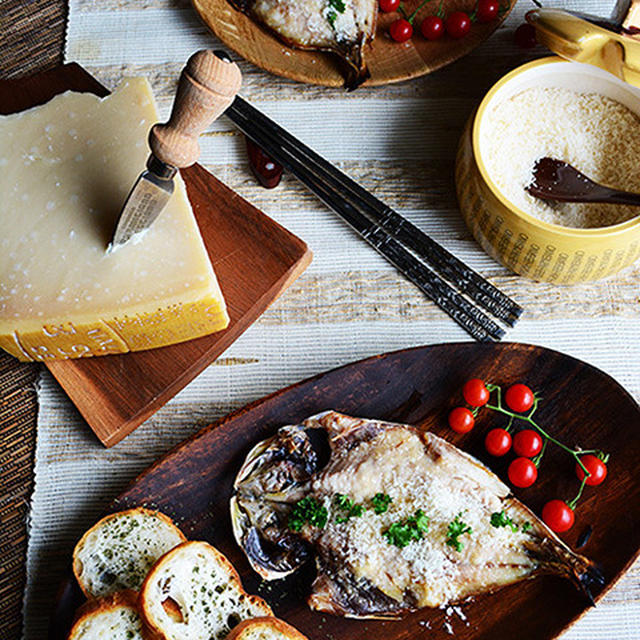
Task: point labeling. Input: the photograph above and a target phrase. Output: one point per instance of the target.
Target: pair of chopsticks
(457, 289)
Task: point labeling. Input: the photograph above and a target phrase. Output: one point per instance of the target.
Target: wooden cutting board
(254, 258)
(581, 406)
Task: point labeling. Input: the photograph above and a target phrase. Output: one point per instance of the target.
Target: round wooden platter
(388, 61)
(419, 386)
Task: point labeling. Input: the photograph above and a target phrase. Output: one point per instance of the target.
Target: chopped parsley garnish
(501, 519)
(457, 527)
(380, 503)
(308, 510)
(347, 507)
(401, 533)
(332, 16)
(338, 5)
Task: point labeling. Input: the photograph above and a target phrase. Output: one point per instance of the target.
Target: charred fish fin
(591, 580)
(283, 557)
(555, 557)
(356, 71)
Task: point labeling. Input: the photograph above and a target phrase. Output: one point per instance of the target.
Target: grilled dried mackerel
(340, 26)
(366, 569)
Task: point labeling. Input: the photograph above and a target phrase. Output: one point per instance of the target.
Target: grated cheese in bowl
(597, 135)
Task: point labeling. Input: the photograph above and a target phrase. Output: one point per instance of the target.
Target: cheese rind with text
(66, 168)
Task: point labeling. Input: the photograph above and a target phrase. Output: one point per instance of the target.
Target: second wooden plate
(420, 386)
(388, 61)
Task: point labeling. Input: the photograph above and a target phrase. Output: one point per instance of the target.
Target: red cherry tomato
(487, 10)
(401, 30)
(522, 473)
(519, 398)
(458, 24)
(527, 443)
(475, 393)
(525, 36)
(558, 516)
(389, 6)
(497, 442)
(595, 467)
(461, 420)
(432, 27)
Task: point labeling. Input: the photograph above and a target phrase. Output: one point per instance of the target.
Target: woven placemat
(31, 40)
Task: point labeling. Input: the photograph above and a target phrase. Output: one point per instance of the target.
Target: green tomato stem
(574, 502)
(411, 18)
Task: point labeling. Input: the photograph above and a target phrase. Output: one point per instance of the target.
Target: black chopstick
(389, 233)
(463, 277)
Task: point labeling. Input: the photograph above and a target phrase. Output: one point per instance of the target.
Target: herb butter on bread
(266, 628)
(194, 593)
(114, 617)
(118, 551)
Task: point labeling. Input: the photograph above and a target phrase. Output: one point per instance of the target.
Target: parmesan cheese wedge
(65, 170)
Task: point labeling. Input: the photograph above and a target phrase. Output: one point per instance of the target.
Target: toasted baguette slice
(194, 593)
(114, 617)
(265, 629)
(118, 551)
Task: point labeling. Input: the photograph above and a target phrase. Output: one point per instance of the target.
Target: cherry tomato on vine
(522, 473)
(527, 443)
(458, 24)
(432, 27)
(596, 467)
(475, 392)
(519, 398)
(461, 420)
(525, 36)
(389, 6)
(401, 30)
(497, 442)
(487, 10)
(558, 516)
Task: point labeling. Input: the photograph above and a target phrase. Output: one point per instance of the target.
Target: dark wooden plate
(581, 405)
(254, 257)
(388, 61)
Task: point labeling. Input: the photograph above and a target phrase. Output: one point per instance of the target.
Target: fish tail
(555, 557)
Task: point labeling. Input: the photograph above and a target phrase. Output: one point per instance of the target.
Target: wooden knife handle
(208, 84)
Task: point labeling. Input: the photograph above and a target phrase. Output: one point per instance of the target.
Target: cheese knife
(208, 85)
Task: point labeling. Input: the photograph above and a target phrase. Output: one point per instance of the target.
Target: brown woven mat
(31, 40)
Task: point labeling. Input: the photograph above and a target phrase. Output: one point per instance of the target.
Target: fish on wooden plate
(397, 519)
(343, 27)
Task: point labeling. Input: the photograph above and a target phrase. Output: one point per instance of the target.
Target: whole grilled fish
(343, 27)
(397, 519)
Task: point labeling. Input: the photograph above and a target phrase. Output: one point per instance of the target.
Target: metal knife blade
(145, 201)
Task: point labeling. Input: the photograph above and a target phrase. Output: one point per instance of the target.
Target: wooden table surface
(399, 141)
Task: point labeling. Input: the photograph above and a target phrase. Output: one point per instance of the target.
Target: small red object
(461, 420)
(519, 398)
(267, 171)
(475, 392)
(522, 473)
(432, 27)
(596, 467)
(458, 24)
(400, 30)
(487, 10)
(525, 36)
(527, 443)
(558, 516)
(497, 442)
(389, 6)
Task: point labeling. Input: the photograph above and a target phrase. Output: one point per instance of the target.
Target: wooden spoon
(559, 181)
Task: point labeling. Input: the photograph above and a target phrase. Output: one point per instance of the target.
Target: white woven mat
(398, 141)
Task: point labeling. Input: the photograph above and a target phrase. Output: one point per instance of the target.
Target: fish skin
(304, 25)
(361, 575)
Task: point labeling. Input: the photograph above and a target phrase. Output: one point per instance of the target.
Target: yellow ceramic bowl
(526, 245)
